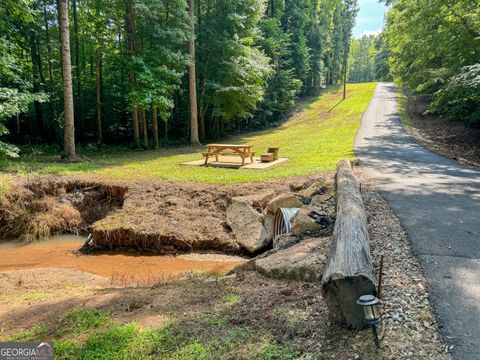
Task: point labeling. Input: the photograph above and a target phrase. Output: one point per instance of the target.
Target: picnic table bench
(244, 151)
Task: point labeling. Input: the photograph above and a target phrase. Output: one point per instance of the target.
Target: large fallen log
(348, 273)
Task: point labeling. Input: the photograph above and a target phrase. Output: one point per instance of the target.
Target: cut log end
(341, 295)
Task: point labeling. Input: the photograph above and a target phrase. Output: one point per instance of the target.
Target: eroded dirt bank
(159, 217)
(42, 207)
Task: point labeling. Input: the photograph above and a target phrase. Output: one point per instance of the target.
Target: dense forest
(435, 52)
(161, 71)
(368, 60)
(153, 72)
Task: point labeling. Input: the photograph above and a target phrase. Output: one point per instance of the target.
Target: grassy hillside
(314, 139)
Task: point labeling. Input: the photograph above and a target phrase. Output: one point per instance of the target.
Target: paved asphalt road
(438, 203)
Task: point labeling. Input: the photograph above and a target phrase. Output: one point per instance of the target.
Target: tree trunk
(348, 274)
(201, 119)
(136, 127)
(17, 120)
(36, 72)
(69, 127)
(205, 60)
(98, 88)
(130, 35)
(156, 145)
(49, 45)
(78, 112)
(140, 122)
(194, 140)
(166, 129)
(345, 66)
(145, 128)
(51, 80)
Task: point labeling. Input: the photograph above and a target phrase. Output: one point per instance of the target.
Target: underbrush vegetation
(450, 81)
(453, 139)
(402, 108)
(314, 138)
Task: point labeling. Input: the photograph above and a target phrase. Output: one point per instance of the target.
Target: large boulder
(284, 241)
(311, 221)
(322, 200)
(258, 200)
(297, 185)
(318, 187)
(246, 224)
(303, 262)
(283, 201)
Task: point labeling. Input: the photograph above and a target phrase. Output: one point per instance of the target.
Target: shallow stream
(61, 252)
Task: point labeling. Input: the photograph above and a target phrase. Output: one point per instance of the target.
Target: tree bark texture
(349, 273)
(145, 128)
(194, 140)
(131, 34)
(78, 112)
(69, 127)
(98, 91)
(156, 144)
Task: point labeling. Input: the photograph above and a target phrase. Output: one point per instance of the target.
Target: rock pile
(252, 218)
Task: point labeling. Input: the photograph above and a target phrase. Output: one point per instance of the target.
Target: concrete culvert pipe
(282, 223)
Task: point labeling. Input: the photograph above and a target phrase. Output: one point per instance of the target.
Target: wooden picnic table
(244, 151)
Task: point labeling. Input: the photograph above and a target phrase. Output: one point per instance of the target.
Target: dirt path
(438, 202)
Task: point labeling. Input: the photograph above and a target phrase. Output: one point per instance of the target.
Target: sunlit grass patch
(71, 324)
(36, 295)
(83, 319)
(4, 186)
(193, 351)
(112, 343)
(231, 299)
(89, 334)
(33, 333)
(313, 139)
(402, 100)
(269, 350)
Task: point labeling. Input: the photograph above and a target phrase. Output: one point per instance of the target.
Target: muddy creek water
(61, 252)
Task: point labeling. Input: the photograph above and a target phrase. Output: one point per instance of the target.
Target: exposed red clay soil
(279, 310)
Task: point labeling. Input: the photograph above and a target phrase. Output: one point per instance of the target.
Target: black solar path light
(371, 313)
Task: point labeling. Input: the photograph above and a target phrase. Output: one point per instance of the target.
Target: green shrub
(459, 99)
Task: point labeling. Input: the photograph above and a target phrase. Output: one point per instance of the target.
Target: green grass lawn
(314, 139)
(89, 334)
